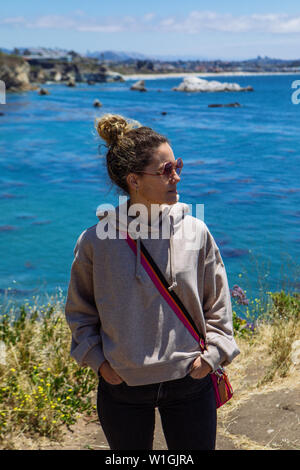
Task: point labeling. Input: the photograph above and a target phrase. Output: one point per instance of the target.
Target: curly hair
(130, 146)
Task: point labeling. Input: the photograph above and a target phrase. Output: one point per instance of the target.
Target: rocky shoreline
(20, 74)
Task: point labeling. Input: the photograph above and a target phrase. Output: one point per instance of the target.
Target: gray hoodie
(116, 313)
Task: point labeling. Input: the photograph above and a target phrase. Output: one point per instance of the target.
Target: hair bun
(112, 127)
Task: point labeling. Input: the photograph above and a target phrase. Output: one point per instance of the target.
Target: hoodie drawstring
(172, 257)
(138, 260)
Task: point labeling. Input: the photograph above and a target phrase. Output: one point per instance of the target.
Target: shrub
(41, 386)
(284, 317)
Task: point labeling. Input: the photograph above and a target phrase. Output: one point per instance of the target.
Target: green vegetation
(284, 319)
(10, 59)
(42, 387)
(281, 315)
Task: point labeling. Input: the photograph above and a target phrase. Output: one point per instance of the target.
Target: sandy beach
(201, 75)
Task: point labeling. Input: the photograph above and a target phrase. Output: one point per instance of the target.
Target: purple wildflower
(238, 293)
(251, 326)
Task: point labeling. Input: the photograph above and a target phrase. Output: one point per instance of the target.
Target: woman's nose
(175, 177)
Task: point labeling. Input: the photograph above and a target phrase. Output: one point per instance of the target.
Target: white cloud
(76, 23)
(79, 13)
(199, 21)
(194, 23)
(168, 23)
(52, 22)
(290, 25)
(100, 28)
(148, 17)
(129, 20)
(14, 20)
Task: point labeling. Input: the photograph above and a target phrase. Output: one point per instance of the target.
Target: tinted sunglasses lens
(179, 165)
(168, 169)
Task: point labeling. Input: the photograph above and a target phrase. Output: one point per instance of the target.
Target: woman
(122, 327)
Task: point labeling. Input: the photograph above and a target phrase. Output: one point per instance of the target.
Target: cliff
(24, 73)
(14, 72)
(81, 70)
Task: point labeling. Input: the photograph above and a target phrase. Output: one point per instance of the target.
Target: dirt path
(267, 417)
(258, 417)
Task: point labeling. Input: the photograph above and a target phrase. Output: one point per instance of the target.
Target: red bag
(222, 387)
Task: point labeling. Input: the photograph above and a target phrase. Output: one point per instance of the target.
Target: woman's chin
(172, 197)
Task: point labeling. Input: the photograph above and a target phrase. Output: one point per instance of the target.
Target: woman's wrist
(206, 365)
(101, 366)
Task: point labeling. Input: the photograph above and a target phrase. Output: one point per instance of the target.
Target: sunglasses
(168, 169)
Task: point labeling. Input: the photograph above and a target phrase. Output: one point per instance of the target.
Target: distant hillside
(6, 51)
(117, 56)
(41, 52)
(126, 56)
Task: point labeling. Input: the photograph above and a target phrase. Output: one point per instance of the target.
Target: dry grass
(42, 389)
(10, 59)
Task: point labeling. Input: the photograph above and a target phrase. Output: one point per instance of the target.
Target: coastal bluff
(23, 74)
(14, 72)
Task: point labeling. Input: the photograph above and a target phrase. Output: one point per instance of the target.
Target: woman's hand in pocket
(200, 368)
(109, 374)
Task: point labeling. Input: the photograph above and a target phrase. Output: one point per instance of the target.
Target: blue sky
(227, 29)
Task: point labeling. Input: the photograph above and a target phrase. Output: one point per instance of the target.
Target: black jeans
(187, 409)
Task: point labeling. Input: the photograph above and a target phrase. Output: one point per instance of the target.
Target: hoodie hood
(166, 220)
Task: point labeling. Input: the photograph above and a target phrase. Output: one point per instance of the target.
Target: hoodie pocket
(102, 380)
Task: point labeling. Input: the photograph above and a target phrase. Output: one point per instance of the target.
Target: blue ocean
(242, 163)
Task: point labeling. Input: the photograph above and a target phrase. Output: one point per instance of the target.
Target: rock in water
(71, 82)
(97, 103)
(194, 84)
(114, 77)
(57, 76)
(229, 105)
(138, 86)
(232, 105)
(43, 91)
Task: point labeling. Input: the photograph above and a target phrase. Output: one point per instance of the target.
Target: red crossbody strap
(162, 285)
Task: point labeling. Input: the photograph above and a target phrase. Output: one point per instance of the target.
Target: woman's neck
(150, 210)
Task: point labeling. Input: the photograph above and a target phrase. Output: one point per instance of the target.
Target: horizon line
(166, 56)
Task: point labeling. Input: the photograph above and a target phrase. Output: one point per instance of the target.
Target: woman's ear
(132, 181)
